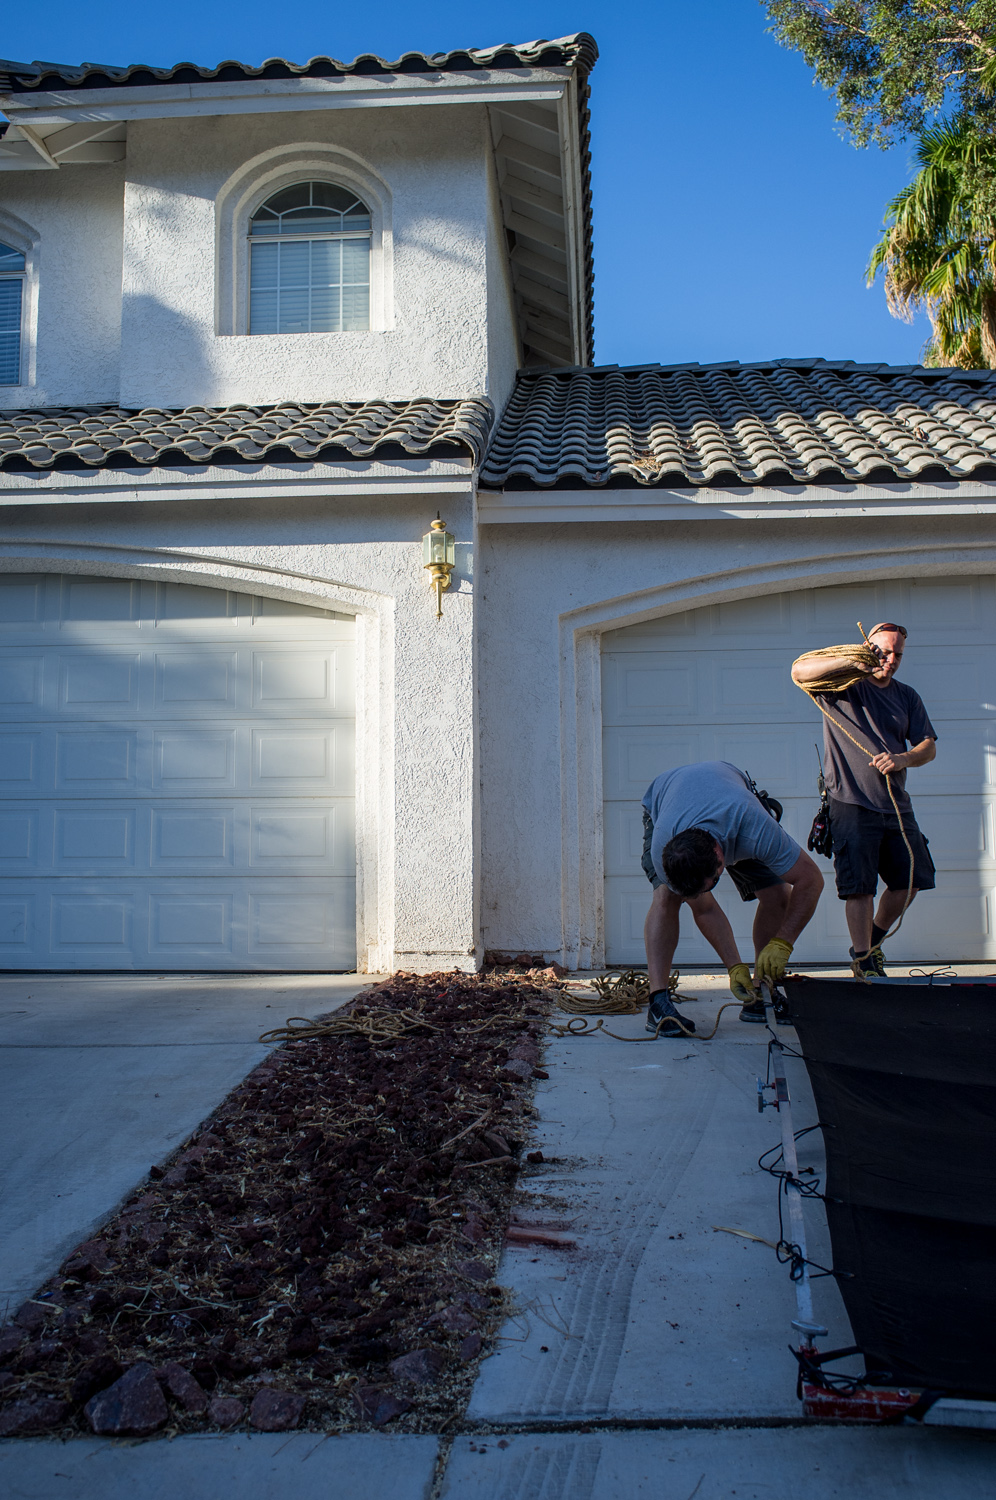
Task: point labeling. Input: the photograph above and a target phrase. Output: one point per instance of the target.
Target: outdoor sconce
(439, 556)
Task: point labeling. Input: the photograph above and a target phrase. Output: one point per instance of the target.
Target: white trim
(572, 186)
(268, 96)
(968, 497)
(374, 614)
(281, 166)
(580, 632)
(20, 236)
(340, 481)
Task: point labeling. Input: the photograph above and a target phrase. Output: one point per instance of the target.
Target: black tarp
(905, 1082)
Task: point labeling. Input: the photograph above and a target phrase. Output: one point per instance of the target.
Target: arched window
(11, 302)
(309, 266)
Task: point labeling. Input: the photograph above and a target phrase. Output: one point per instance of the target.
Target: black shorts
(868, 843)
(748, 875)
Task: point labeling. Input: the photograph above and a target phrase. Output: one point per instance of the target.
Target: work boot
(663, 1014)
(870, 965)
(753, 1010)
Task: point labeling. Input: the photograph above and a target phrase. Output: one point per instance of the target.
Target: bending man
(699, 821)
(867, 841)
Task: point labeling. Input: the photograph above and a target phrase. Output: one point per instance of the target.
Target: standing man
(885, 715)
(699, 821)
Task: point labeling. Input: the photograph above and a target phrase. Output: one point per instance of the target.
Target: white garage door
(176, 779)
(713, 684)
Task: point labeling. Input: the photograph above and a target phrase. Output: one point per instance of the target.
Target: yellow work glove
(772, 962)
(740, 986)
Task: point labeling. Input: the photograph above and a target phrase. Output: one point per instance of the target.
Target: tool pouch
(770, 804)
(820, 839)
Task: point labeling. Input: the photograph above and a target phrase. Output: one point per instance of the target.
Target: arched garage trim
(374, 614)
(580, 633)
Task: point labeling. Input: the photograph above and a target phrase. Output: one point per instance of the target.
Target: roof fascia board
(349, 480)
(274, 95)
(573, 191)
(795, 502)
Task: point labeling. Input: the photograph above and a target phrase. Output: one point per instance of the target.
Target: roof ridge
(578, 49)
(533, 372)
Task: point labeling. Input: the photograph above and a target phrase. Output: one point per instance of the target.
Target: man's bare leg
(858, 911)
(890, 906)
(660, 936)
(772, 904)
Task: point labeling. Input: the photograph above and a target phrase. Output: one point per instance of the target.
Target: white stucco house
(257, 326)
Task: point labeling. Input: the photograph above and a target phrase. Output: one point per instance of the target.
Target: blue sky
(731, 220)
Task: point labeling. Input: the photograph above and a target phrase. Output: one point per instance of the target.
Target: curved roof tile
(805, 420)
(87, 438)
(565, 51)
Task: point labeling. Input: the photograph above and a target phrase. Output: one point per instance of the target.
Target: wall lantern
(439, 556)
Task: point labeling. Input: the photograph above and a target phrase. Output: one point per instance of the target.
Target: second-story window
(11, 303)
(309, 268)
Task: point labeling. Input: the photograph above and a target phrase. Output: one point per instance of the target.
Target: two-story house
(257, 326)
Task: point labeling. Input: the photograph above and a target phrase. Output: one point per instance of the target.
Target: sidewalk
(649, 1359)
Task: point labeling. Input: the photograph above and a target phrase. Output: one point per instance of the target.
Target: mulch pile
(321, 1252)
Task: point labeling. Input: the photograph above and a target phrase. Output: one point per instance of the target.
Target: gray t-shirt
(883, 718)
(713, 795)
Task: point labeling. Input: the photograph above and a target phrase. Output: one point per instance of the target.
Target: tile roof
(800, 421)
(580, 49)
(92, 437)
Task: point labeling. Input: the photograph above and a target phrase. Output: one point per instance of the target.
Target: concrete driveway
(648, 1359)
(102, 1075)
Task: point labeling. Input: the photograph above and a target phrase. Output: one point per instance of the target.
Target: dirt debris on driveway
(321, 1252)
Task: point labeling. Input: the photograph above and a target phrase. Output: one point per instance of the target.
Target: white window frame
(337, 235)
(19, 236)
(249, 188)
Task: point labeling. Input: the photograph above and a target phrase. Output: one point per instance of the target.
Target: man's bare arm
(804, 672)
(919, 755)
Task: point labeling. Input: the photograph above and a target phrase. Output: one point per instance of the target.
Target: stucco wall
(545, 595)
(415, 692)
(74, 216)
(151, 288)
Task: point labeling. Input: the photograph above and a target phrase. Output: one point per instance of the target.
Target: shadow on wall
(164, 356)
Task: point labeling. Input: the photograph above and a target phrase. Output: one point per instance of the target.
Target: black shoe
(870, 966)
(754, 1011)
(664, 1020)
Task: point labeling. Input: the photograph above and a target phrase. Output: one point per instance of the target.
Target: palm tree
(938, 252)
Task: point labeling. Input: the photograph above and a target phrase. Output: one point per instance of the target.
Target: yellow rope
(833, 684)
(624, 994)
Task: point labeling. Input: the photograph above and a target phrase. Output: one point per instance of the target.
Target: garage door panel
(22, 599)
(104, 681)
(102, 600)
(744, 709)
(21, 684)
(176, 774)
(19, 838)
(201, 682)
(289, 917)
(193, 839)
(22, 765)
(766, 615)
(184, 923)
(97, 759)
(195, 759)
(951, 607)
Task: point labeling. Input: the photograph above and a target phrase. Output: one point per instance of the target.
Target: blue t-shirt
(714, 795)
